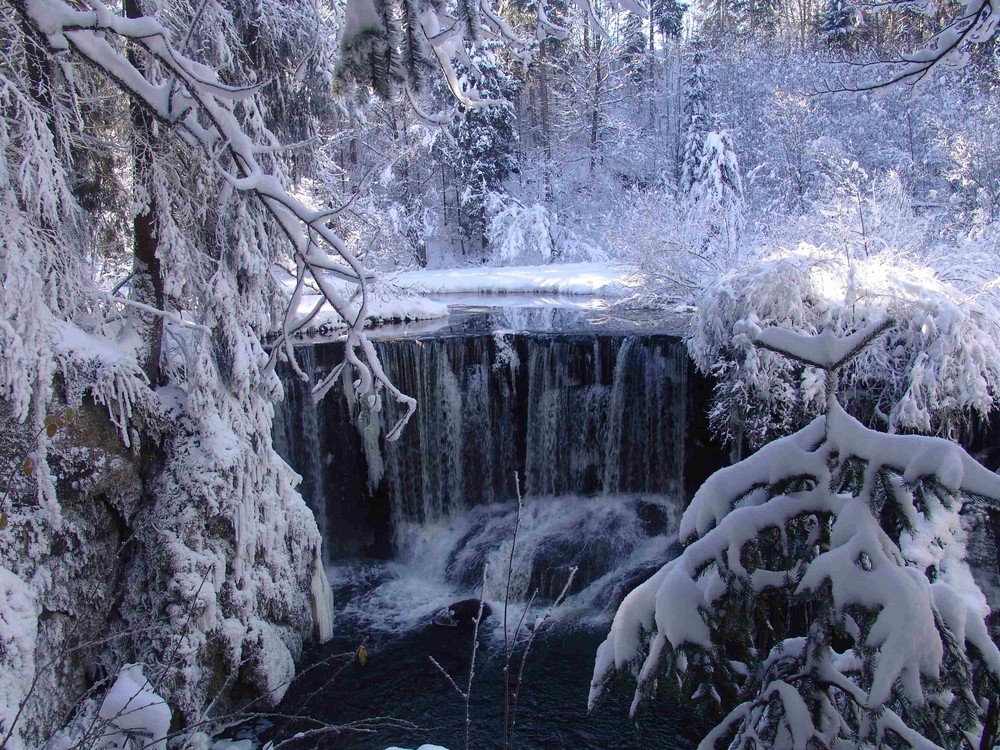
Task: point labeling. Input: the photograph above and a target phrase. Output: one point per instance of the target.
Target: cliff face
(982, 525)
(64, 563)
(181, 556)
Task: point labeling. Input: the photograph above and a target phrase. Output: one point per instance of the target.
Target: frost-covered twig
(472, 658)
(539, 624)
(188, 619)
(361, 726)
(448, 677)
(335, 675)
(506, 602)
(467, 693)
(111, 299)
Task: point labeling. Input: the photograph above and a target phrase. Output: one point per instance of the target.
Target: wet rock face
(462, 615)
(70, 552)
(982, 526)
(119, 556)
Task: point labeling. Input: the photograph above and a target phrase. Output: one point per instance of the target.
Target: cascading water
(606, 434)
(581, 414)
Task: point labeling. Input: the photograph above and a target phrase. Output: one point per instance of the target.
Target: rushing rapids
(571, 414)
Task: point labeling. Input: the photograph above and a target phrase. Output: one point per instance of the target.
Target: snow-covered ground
(598, 279)
(386, 304)
(427, 295)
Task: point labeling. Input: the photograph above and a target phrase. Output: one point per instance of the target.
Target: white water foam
(614, 541)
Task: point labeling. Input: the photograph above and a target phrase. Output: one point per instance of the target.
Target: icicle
(322, 600)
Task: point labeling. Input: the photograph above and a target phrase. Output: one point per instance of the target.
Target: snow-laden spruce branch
(975, 22)
(192, 100)
(823, 590)
(825, 350)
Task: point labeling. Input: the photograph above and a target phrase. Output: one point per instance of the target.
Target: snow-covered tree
(973, 148)
(696, 116)
(838, 24)
(932, 372)
(756, 18)
(223, 580)
(823, 597)
(716, 196)
(974, 23)
(633, 49)
(668, 17)
(486, 138)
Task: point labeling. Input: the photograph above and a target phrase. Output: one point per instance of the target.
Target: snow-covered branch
(824, 350)
(851, 538)
(975, 22)
(192, 99)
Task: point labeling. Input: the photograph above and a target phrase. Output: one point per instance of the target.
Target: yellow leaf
(28, 467)
(3, 521)
(51, 429)
(69, 415)
(362, 655)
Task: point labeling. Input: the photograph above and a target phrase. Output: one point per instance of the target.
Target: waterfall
(298, 438)
(574, 414)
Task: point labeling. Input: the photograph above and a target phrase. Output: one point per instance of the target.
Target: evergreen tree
(668, 17)
(716, 194)
(755, 18)
(824, 598)
(696, 115)
(393, 45)
(486, 137)
(838, 24)
(634, 48)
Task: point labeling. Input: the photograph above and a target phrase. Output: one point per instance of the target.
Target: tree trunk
(651, 90)
(546, 135)
(147, 279)
(595, 114)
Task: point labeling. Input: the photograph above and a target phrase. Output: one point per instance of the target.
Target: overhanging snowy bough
(823, 598)
(193, 100)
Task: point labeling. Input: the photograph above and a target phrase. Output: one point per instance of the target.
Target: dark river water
(399, 682)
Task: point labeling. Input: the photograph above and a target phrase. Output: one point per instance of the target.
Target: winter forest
(495, 373)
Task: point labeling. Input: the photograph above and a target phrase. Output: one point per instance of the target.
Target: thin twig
(506, 600)
(472, 661)
(447, 676)
(539, 624)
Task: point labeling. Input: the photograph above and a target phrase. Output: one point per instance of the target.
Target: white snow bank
(18, 633)
(562, 278)
(133, 707)
(386, 303)
(405, 297)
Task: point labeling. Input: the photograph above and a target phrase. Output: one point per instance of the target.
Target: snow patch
(132, 707)
(599, 279)
(18, 633)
